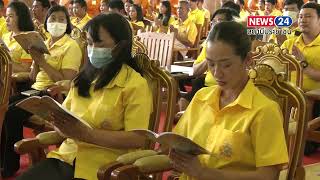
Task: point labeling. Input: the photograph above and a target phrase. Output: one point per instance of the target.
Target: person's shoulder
(206, 93)
(261, 101)
(134, 78)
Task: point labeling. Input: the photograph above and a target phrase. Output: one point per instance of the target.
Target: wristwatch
(304, 64)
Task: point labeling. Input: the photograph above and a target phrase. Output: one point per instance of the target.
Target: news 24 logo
(269, 21)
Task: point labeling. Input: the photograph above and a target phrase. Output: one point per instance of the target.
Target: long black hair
(165, 17)
(139, 12)
(24, 18)
(119, 29)
(59, 8)
(234, 34)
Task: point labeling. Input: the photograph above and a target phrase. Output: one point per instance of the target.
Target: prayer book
(31, 39)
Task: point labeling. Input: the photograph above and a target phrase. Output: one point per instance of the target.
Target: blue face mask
(99, 57)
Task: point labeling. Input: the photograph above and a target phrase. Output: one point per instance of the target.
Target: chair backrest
(205, 29)
(163, 86)
(280, 60)
(5, 84)
(159, 46)
(293, 105)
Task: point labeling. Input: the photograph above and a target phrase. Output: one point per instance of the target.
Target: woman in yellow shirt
(233, 120)
(63, 63)
(136, 17)
(18, 20)
(164, 19)
(111, 96)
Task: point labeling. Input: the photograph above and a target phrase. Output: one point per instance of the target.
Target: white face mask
(292, 14)
(56, 29)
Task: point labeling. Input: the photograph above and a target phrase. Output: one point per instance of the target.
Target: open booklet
(31, 39)
(44, 106)
(174, 141)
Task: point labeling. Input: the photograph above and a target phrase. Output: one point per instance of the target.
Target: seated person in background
(63, 64)
(270, 8)
(200, 65)
(136, 17)
(39, 11)
(243, 13)
(70, 10)
(261, 8)
(127, 6)
(3, 26)
(18, 20)
(184, 28)
(205, 11)
(164, 19)
(117, 6)
(195, 14)
(80, 13)
(233, 120)
(111, 78)
(307, 46)
(291, 8)
(232, 5)
(104, 6)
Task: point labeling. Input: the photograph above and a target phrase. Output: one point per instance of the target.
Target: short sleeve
(72, 58)
(25, 57)
(288, 44)
(138, 106)
(200, 18)
(267, 136)
(192, 33)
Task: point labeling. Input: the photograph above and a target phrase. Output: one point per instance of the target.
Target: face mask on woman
(292, 14)
(99, 57)
(56, 29)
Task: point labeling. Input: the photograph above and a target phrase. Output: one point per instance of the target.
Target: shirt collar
(60, 42)
(244, 99)
(315, 42)
(121, 78)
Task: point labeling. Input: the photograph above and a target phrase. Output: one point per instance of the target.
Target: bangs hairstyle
(24, 21)
(233, 34)
(119, 29)
(312, 5)
(59, 8)
(139, 12)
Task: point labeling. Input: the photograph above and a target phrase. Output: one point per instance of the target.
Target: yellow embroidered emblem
(226, 150)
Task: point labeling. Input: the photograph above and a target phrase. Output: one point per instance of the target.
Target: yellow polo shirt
(197, 16)
(186, 30)
(17, 53)
(164, 29)
(206, 13)
(244, 15)
(275, 12)
(289, 36)
(238, 135)
(209, 79)
(80, 23)
(3, 26)
(260, 13)
(138, 23)
(125, 104)
(311, 55)
(65, 54)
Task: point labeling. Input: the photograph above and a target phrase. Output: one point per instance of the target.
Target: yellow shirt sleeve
(267, 125)
(192, 33)
(202, 56)
(200, 18)
(72, 58)
(138, 106)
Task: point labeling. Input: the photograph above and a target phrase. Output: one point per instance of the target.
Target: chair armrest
(187, 49)
(313, 94)
(105, 171)
(20, 77)
(314, 124)
(143, 166)
(41, 140)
